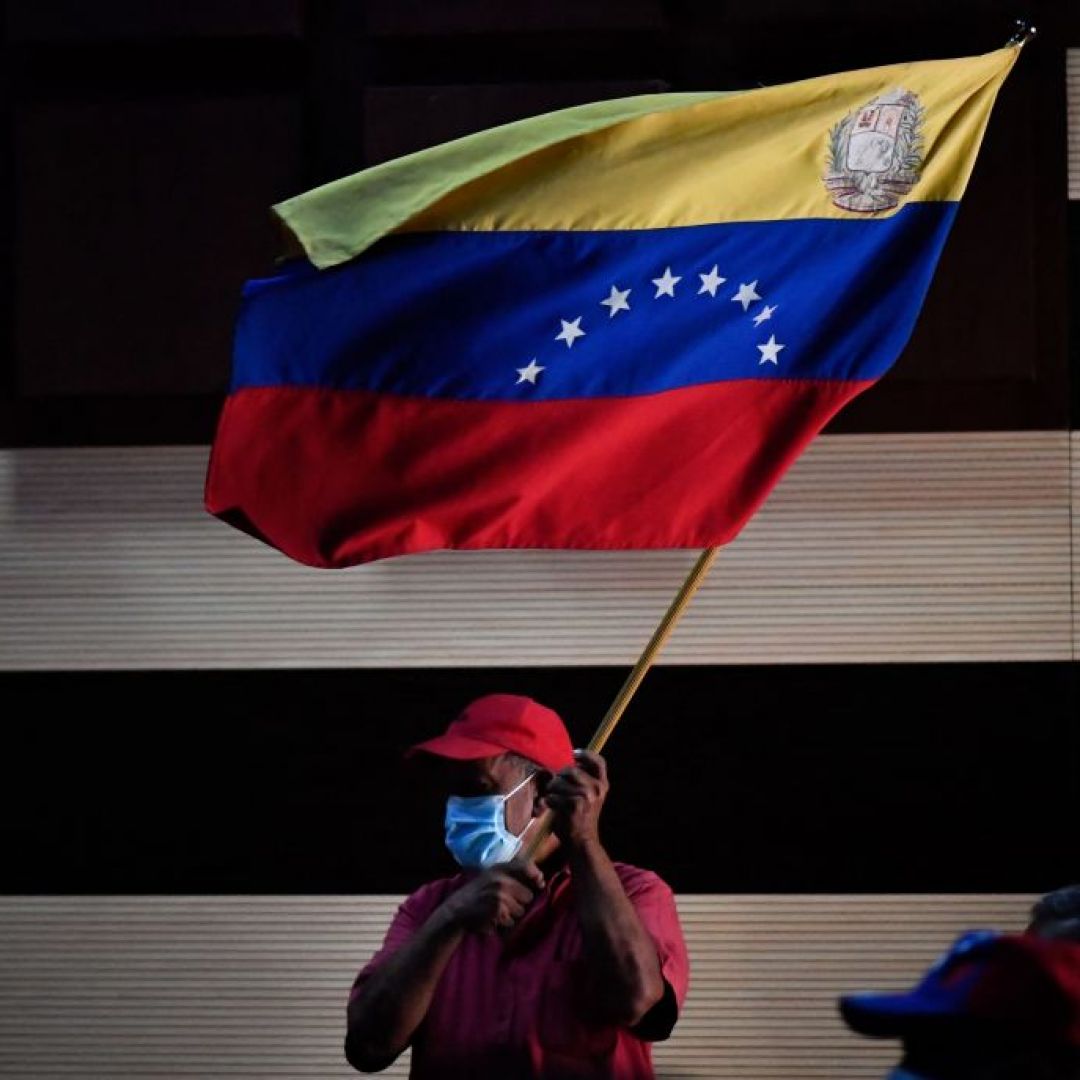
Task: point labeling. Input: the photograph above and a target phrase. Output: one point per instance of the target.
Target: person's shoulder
(637, 881)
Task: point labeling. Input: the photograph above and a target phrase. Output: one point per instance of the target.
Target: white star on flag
(529, 374)
(571, 331)
(765, 313)
(711, 281)
(617, 301)
(746, 295)
(769, 351)
(665, 285)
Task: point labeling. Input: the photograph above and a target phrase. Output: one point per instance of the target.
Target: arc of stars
(618, 300)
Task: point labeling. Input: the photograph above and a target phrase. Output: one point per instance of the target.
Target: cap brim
(456, 748)
(892, 1015)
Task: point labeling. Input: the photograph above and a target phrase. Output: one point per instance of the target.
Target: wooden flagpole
(633, 680)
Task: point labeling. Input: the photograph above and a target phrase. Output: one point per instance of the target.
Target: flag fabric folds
(614, 326)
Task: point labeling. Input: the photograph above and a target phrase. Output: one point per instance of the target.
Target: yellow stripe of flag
(672, 160)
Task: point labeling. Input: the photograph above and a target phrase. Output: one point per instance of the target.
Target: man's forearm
(395, 998)
(621, 954)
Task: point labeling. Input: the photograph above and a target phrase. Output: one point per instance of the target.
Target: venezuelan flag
(613, 326)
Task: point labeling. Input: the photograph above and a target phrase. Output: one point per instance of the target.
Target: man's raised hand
(576, 795)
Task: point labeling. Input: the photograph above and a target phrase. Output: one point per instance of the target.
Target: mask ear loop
(510, 794)
(514, 790)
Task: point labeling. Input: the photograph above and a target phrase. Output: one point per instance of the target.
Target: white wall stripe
(1074, 507)
(874, 548)
(1072, 84)
(255, 986)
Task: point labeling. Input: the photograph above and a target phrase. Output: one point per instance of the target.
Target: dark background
(897, 778)
(144, 142)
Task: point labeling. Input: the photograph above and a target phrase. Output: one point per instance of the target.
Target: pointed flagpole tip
(1024, 30)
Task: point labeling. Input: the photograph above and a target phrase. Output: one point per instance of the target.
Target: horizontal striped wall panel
(1074, 476)
(874, 548)
(1072, 84)
(255, 986)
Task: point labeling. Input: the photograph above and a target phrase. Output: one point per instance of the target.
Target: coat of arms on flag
(875, 154)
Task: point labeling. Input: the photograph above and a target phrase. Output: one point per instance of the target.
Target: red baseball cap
(501, 724)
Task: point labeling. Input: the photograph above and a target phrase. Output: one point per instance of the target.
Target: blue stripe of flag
(461, 315)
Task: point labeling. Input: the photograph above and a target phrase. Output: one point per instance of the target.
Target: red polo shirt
(512, 1008)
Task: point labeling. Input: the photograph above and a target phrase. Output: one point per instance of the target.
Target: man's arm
(621, 955)
(395, 997)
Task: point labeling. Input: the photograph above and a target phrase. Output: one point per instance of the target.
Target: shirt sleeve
(411, 914)
(654, 903)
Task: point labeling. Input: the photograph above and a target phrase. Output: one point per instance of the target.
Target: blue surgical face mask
(476, 831)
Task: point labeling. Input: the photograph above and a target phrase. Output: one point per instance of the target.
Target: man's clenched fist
(496, 898)
(576, 795)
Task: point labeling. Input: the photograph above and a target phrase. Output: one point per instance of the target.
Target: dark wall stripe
(795, 779)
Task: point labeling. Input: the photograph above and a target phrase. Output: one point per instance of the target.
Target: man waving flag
(613, 326)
